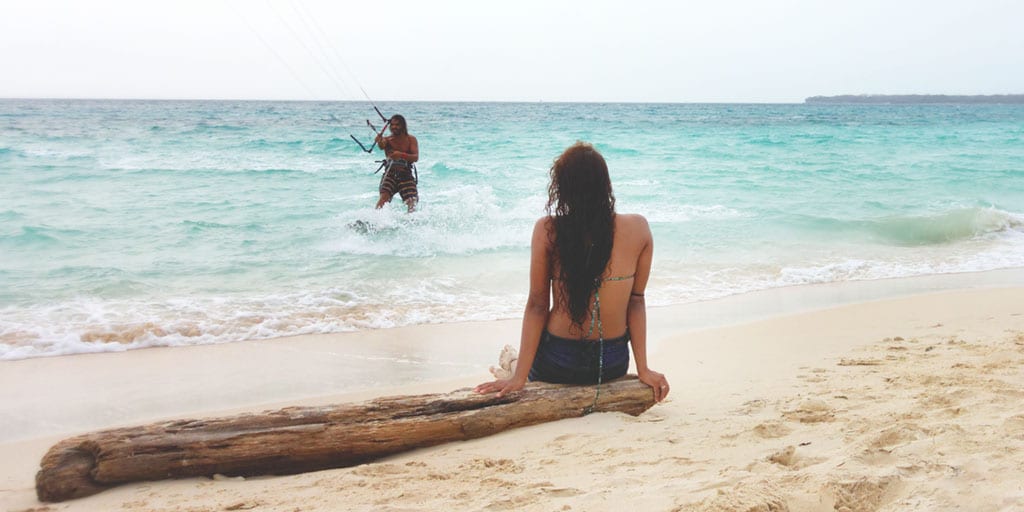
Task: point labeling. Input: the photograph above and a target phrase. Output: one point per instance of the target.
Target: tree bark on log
(299, 439)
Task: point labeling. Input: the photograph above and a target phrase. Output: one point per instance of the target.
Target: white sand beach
(906, 403)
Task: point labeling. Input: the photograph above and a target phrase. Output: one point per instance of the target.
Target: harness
(389, 164)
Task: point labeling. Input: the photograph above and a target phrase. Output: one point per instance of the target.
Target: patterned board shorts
(399, 178)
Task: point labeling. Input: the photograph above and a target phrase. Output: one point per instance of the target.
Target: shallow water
(126, 224)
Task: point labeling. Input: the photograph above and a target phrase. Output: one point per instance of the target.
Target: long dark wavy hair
(401, 120)
(582, 207)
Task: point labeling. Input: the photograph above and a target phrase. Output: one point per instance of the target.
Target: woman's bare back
(628, 270)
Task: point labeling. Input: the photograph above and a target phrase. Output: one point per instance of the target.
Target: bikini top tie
(595, 316)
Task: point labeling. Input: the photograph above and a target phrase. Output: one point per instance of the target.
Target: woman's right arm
(535, 317)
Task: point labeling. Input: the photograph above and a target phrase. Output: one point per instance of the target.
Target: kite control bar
(381, 132)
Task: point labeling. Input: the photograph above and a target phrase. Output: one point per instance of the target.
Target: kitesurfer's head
(398, 126)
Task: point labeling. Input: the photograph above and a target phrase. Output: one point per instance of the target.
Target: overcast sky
(511, 50)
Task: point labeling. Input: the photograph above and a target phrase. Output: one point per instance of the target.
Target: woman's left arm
(636, 317)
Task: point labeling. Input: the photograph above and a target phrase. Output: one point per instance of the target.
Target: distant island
(916, 98)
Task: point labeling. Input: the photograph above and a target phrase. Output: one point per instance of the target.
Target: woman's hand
(657, 382)
(502, 386)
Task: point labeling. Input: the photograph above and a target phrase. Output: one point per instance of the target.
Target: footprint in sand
(772, 430)
(788, 457)
(1014, 426)
(497, 465)
(760, 496)
(514, 503)
(877, 457)
(811, 411)
(896, 436)
(785, 456)
(867, 493)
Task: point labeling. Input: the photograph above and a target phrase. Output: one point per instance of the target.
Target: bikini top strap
(595, 312)
(619, 278)
(595, 316)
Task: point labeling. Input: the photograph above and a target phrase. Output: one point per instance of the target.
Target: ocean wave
(460, 220)
(430, 232)
(69, 175)
(87, 325)
(38, 235)
(336, 142)
(950, 226)
(945, 227)
(50, 155)
(461, 282)
(669, 214)
(199, 225)
(273, 171)
(612, 151)
(89, 273)
(765, 140)
(683, 284)
(90, 325)
(444, 170)
(273, 144)
(203, 127)
(9, 215)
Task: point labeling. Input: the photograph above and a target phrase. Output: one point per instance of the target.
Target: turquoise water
(127, 224)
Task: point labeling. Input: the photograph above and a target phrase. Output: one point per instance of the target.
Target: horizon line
(84, 98)
(647, 102)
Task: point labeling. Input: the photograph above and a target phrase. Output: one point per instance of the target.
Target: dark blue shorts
(569, 361)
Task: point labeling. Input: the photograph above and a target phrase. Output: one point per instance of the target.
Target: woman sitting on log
(598, 263)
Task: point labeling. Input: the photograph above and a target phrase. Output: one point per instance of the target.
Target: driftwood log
(300, 439)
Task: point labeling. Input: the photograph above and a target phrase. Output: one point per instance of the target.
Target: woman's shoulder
(633, 229)
(543, 226)
(631, 219)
